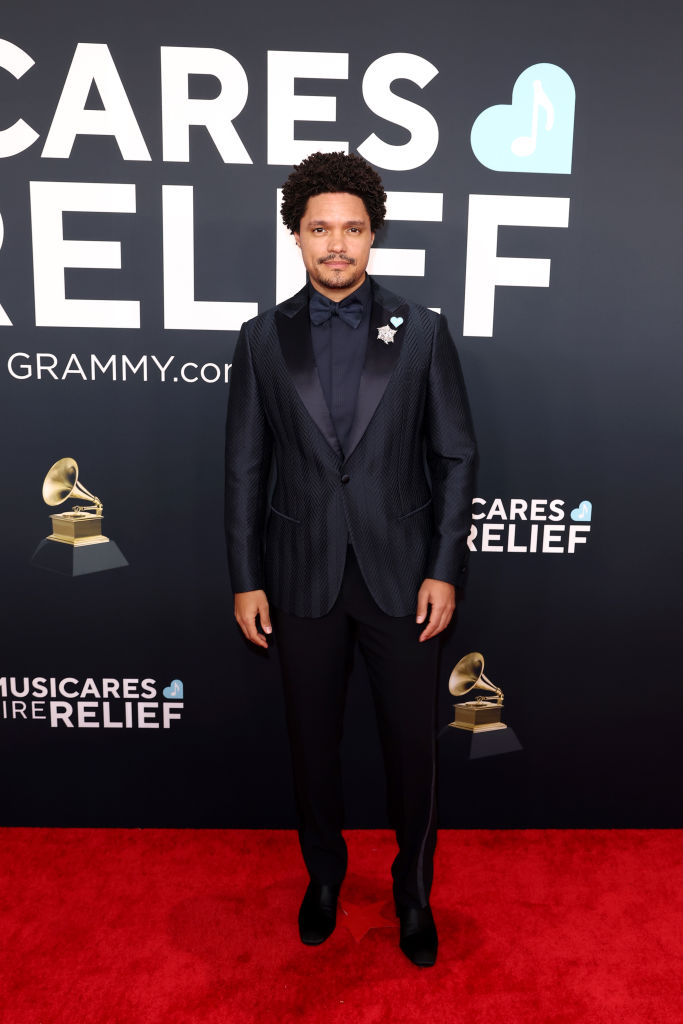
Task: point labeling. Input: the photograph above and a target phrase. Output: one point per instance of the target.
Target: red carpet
(119, 926)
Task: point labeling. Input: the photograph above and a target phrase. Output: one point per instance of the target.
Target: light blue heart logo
(583, 513)
(175, 690)
(396, 321)
(536, 132)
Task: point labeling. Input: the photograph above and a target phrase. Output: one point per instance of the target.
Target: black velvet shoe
(318, 913)
(418, 939)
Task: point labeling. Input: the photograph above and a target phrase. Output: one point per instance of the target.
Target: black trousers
(315, 657)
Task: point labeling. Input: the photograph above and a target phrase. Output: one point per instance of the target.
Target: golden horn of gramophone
(62, 482)
(468, 675)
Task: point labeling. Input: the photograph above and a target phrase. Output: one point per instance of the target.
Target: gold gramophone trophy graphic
(76, 544)
(481, 718)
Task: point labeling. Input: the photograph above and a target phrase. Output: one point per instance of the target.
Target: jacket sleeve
(451, 455)
(248, 450)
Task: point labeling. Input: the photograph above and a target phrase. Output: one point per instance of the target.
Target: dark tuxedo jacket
(402, 492)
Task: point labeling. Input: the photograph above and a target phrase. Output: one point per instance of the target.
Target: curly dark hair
(332, 172)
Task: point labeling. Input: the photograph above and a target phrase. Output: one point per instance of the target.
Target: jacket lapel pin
(386, 333)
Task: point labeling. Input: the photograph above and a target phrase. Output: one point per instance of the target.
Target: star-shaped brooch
(386, 333)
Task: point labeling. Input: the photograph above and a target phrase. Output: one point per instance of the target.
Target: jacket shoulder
(266, 319)
(392, 301)
(258, 322)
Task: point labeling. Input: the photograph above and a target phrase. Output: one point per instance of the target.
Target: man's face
(335, 239)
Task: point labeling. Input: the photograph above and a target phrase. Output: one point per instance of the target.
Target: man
(348, 404)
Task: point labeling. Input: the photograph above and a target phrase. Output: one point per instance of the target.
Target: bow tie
(321, 309)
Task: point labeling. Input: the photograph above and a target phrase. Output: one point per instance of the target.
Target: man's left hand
(441, 596)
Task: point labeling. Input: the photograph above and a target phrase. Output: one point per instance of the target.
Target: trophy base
(78, 542)
(484, 727)
(77, 528)
(78, 560)
(484, 742)
(478, 716)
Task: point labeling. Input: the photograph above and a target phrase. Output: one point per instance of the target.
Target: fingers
(264, 613)
(422, 603)
(441, 614)
(249, 629)
(438, 620)
(437, 623)
(248, 607)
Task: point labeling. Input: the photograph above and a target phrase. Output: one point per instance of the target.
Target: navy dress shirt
(339, 352)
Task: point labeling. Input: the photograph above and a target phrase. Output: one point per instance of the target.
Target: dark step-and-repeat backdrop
(532, 157)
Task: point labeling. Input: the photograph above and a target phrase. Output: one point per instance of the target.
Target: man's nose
(335, 242)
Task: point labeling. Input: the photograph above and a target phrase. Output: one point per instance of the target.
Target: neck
(337, 294)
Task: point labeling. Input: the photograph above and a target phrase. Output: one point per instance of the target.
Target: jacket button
(345, 479)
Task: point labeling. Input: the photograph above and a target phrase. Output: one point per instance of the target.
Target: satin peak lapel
(294, 333)
(380, 360)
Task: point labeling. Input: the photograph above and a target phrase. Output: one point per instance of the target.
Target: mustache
(336, 259)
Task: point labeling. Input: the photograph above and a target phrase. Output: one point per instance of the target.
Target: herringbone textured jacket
(402, 492)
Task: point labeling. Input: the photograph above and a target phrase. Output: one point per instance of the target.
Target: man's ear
(297, 238)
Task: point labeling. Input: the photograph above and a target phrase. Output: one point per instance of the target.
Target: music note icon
(525, 145)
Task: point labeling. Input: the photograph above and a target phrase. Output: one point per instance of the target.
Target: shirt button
(345, 479)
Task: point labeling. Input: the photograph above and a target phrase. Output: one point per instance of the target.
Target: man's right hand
(248, 605)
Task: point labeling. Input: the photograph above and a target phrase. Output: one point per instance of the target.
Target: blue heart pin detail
(583, 513)
(396, 321)
(174, 691)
